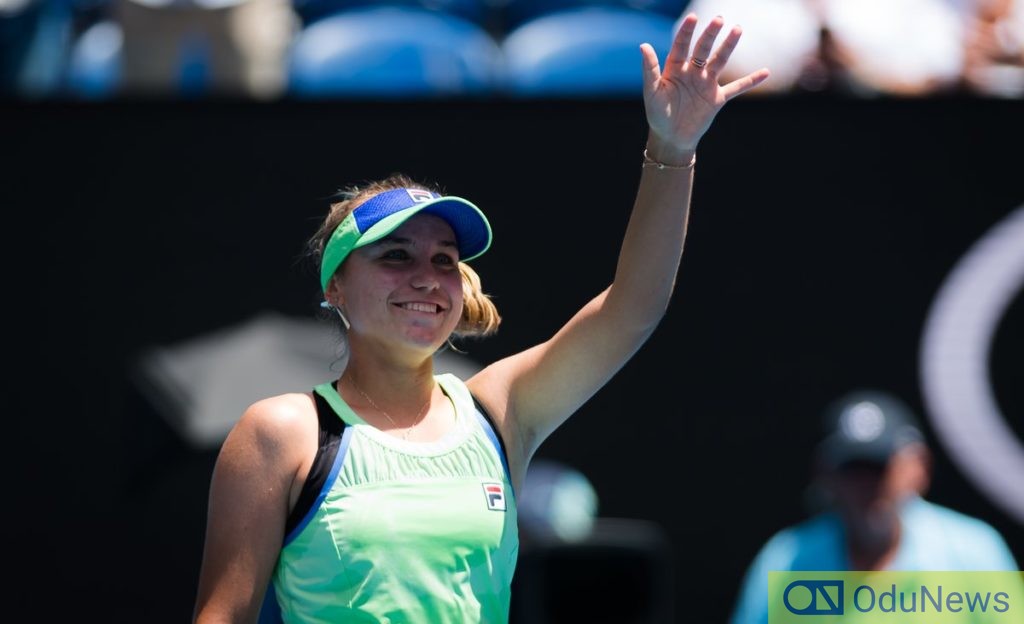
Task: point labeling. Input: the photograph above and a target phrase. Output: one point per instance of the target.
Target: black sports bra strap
(331, 427)
(330, 422)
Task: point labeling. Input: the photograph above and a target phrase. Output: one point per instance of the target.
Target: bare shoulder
(280, 426)
(282, 410)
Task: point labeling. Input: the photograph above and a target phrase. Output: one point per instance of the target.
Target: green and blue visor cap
(385, 212)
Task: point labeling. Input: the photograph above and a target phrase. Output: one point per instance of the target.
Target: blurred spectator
(236, 47)
(994, 60)
(906, 48)
(873, 468)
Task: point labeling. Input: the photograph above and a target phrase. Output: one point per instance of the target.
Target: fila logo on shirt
(495, 494)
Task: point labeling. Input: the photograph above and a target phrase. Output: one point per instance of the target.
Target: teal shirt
(406, 531)
(933, 538)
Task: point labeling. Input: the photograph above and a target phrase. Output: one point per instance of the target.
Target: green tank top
(405, 531)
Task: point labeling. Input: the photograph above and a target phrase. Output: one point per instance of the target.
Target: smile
(431, 308)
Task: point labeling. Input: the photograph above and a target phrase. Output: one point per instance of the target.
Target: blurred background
(267, 49)
(857, 222)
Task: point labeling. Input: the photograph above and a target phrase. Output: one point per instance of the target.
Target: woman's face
(405, 289)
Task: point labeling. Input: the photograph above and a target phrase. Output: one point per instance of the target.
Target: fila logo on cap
(419, 196)
(495, 494)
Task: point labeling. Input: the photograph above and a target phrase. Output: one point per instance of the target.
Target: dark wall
(821, 231)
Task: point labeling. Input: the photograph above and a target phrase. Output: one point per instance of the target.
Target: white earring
(344, 321)
(329, 306)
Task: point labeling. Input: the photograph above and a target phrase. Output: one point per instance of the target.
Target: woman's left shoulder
(284, 422)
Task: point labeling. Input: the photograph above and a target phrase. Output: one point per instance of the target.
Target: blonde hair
(480, 316)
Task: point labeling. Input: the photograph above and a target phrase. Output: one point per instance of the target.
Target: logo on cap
(863, 421)
(419, 196)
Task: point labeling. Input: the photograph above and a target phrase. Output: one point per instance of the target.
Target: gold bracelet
(650, 162)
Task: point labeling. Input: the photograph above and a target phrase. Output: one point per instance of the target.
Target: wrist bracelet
(650, 162)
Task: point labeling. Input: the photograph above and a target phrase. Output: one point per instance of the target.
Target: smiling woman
(395, 226)
(388, 494)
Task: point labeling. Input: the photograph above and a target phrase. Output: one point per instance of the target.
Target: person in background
(232, 48)
(872, 471)
(388, 494)
(994, 59)
(880, 48)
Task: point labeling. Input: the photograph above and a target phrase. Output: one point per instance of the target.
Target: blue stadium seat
(585, 52)
(515, 13)
(35, 40)
(94, 70)
(391, 52)
(476, 11)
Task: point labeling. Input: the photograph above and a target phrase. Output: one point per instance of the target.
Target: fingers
(650, 65)
(704, 58)
(721, 56)
(681, 43)
(706, 41)
(746, 83)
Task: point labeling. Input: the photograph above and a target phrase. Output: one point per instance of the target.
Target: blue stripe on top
(346, 438)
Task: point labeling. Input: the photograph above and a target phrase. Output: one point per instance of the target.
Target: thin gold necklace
(408, 430)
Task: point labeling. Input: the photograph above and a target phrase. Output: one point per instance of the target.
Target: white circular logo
(863, 421)
(954, 358)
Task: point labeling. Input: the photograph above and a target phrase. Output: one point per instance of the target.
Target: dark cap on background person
(866, 426)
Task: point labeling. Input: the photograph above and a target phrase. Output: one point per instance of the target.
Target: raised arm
(533, 392)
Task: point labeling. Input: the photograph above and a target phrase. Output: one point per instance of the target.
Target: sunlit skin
(402, 294)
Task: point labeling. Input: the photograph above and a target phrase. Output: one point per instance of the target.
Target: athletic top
(933, 538)
(401, 531)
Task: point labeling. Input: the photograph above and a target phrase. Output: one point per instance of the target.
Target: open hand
(682, 99)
